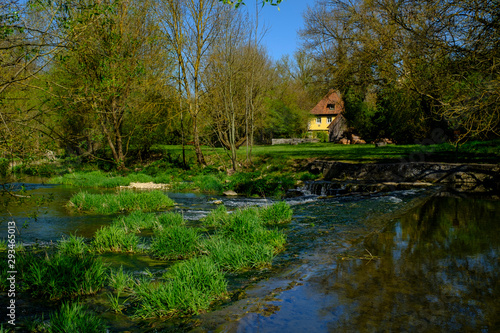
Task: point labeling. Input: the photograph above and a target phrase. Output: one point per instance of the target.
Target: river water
(415, 260)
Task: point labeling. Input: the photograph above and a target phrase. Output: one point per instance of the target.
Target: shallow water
(413, 260)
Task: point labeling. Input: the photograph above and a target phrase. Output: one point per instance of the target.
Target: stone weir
(462, 177)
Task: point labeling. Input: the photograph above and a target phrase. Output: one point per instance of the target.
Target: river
(413, 260)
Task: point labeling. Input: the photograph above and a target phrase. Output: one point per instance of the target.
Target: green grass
(114, 238)
(167, 219)
(188, 288)
(100, 179)
(216, 217)
(72, 246)
(276, 213)
(175, 242)
(75, 318)
(60, 276)
(231, 255)
(119, 280)
(118, 202)
(136, 221)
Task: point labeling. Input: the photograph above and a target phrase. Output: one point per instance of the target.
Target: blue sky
(282, 24)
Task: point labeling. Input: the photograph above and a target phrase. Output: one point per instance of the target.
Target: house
(325, 112)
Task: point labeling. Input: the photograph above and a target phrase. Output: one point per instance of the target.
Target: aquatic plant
(175, 242)
(279, 212)
(72, 246)
(209, 183)
(137, 220)
(216, 217)
(234, 256)
(62, 275)
(119, 280)
(246, 226)
(100, 179)
(114, 238)
(114, 301)
(189, 287)
(167, 219)
(75, 318)
(121, 201)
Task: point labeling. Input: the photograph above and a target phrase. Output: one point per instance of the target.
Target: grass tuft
(75, 318)
(175, 242)
(114, 238)
(189, 287)
(122, 201)
(277, 213)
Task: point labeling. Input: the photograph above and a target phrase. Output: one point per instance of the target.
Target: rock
(230, 193)
(380, 144)
(217, 202)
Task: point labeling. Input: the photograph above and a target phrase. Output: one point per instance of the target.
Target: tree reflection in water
(438, 271)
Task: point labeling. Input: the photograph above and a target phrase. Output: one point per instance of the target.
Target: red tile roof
(332, 98)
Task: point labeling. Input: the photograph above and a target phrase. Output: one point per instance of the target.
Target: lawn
(474, 151)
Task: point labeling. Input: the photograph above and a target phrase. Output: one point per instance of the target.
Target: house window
(318, 120)
(331, 106)
(329, 119)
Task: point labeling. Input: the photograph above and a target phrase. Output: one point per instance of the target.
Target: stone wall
(293, 141)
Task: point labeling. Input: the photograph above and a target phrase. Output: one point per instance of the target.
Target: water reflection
(438, 270)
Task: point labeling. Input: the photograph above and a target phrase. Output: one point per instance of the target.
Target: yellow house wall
(314, 126)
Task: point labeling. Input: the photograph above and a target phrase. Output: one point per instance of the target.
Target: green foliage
(209, 183)
(216, 217)
(277, 213)
(100, 179)
(75, 318)
(168, 219)
(136, 221)
(115, 238)
(175, 242)
(4, 167)
(72, 246)
(232, 255)
(119, 280)
(254, 183)
(189, 287)
(121, 201)
(61, 275)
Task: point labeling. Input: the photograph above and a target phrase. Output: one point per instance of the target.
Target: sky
(282, 25)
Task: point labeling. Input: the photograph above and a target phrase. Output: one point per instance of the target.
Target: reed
(118, 202)
(175, 242)
(114, 238)
(75, 318)
(189, 287)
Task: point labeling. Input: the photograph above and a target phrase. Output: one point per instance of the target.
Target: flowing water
(414, 260)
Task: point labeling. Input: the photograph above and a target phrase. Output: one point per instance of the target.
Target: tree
(192, 27)
(237, 3)
(438, 57)
(101, 72)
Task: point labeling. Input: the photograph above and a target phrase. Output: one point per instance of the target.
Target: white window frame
(318, 120)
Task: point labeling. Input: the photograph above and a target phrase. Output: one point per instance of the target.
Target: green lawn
(475, 151)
